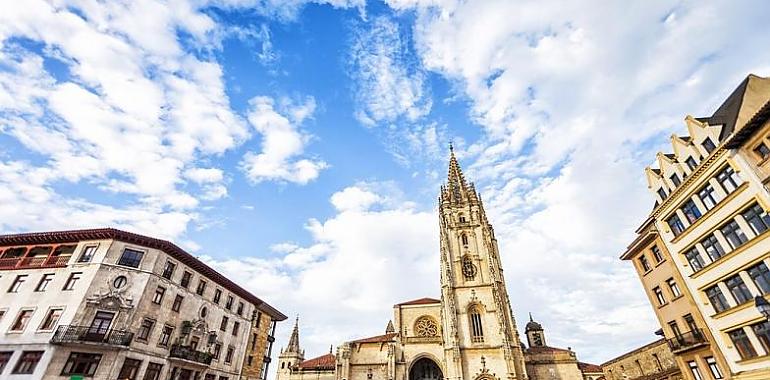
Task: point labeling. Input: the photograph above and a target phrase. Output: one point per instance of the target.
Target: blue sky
(298, 146)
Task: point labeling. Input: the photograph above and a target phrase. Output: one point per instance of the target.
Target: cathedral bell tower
(480, 336)
(292, 355)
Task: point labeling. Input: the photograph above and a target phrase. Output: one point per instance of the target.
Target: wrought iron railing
(34, 262)
(89, 334)
(188, 353)
(688, 340)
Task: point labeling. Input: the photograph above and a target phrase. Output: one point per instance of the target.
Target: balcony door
(100, 326)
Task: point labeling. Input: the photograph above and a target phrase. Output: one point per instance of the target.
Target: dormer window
(675, 180)
(662, 193)
(708, 145)
(691, 163)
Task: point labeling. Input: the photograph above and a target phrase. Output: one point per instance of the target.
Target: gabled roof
(328, 361)
(750, 128)
(74, 236)
(419, 301)
(741, 105)
(589, 368)
(377, 339)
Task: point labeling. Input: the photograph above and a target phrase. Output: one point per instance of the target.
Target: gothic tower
(292, 355)
(480, 336)
(535, 334)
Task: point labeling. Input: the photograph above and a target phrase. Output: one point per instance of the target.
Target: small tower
(292, 355)
(535, 334)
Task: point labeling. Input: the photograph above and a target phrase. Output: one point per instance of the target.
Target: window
(119, 282)
(5, 357)
(675, 328)
(253, 341)
(762, 331)
(250, 360)
(675, 224)
(658, 365)
(217, 350)
(223, 324)
(80, 363)
(240, 308)
(656, 254)
(742, 343)
(644, 263)
(51, 319)
(88, 254)
(71, 280)
(236, 326)
(130, 369)
(761, 277)
(733, 234)
(27, 362)
(477, 329)
(714, 368)
(223, 377)
(464, 239)
(738, 289)
(708, 196)
(259, 318)
(131, 258)
(662, 193)
(229, 354)
(729, 179)
(153, 371)
(201, 287)
(691, 211)
(145, 329)
(762, 151)
(673, 287)
(165, 335)
(757, 218)
(177, 303)
(168, 270)
(21, 320)
(44, 281)
(691, 323)
(675, 179)
(210, 376)
(694, 369)
(718, 300)
(712, 247)
(708, 145)
(186, 276)
(691, 163)
(695, 259)
(229, 303)
(659, 295)
(17, 283)
(157, 298)
(217, 296)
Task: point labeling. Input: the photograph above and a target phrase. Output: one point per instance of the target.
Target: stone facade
(653, 361)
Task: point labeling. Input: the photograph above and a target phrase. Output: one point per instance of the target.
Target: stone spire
(457, 190)
(294, 340)
(390, 329)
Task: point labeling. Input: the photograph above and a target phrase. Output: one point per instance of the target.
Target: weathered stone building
(653, 361)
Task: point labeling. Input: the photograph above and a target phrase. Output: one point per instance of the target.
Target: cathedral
(470, 333)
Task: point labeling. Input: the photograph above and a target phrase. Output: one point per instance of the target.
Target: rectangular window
(229, 303)
(675, 179)
(762, 331)
(733, 234)
(153, 371)
(217, 296)
(714, 368)
(131, 258)
(145, 329)
(168, 270)
(644, 263)
(729, 179)
(695, 259)
(186, 276)
(157, 298)
(659, 295)
(44, 281)
(708, 196)
(130, 369)
(691, 211)
(690, 323)
(72, 280)
(676, 225)
(662, 193)
(738, 289)
(223, 324)
(259, 318)
(712, 247)
(673, 287)
(694, 369)
(22, 320)
(217, 351)
(51, 319)
(177, 303)
(16, 285)
(762, 151)
(718, 300)
(656, 254)
(761, 277)
(201, 287)
(708, 145)
(757, 219)
(165, 335)
(742, 343)
(240, 308)
(210, 376)
(675, 328)
(80, 363)
(229, 354)
(27, 362)
(5, 357)
(88, 254)
(236, 326)
(691, 163)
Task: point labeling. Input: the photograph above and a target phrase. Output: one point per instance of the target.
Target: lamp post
(762, 306)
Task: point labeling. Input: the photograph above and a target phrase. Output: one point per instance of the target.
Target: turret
(535, 334)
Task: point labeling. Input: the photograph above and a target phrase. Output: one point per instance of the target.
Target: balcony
(687, 341)
(90, 335)
(34, 262)
(190, 354)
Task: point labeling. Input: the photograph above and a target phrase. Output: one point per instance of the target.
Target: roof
(377, 339)
(420, 301)
(634, 351)
(545, 349)
(743, 102)
(589, 368)
(751, 127)
(328, 361)
(73, 236)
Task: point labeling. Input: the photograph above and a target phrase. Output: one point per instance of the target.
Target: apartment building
(710, 214)
(110, 304)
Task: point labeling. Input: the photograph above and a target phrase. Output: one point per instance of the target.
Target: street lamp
(762, 306)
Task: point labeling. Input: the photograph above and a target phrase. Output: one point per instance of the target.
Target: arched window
(477, 329)
(462, 218)
(464, 239)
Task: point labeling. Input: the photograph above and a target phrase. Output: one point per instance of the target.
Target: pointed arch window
(477, 328)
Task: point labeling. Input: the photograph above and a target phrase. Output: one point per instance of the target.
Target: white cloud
(282, 141)
(354, 199)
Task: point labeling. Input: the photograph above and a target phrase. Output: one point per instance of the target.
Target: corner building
(109, 304)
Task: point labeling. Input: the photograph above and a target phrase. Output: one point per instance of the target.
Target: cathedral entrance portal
(425, 369)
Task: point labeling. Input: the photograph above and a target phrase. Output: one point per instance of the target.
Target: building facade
(109, 304)
(469, 333)
(710, 215)
(653, 361)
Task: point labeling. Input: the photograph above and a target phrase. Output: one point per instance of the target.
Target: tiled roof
(328, 361)
(420, 301)
(542, 349)
(590, 368)
(376, 339)
(73, 236)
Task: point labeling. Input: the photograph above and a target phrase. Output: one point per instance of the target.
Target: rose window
(426, 327)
